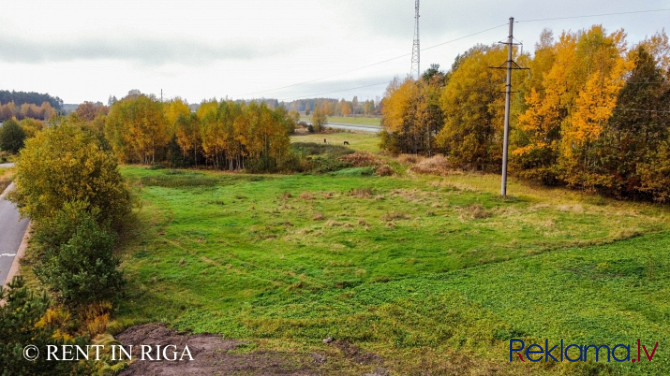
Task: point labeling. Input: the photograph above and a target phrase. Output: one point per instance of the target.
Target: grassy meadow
(357, 141)
(357, 120)
(431, 274)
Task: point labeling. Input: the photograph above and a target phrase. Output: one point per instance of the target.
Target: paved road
(12, 229)
(355, 127)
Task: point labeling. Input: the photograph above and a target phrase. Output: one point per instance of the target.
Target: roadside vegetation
(6, 175)
(76, 219)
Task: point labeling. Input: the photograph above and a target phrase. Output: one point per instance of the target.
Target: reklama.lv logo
(577, 353)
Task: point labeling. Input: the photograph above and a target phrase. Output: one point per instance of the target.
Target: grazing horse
(324, 141)
(346, 142)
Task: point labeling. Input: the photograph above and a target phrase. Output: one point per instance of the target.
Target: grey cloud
(139, 50)
(395, 19)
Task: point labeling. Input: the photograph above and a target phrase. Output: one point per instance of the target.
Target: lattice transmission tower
(416, 47)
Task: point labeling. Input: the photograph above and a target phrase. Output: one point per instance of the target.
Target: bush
(78, 263)
(62, 164)
(12, 136)
(20, 325)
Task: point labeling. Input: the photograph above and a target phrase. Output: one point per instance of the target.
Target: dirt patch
(356, 354)
(212, 355)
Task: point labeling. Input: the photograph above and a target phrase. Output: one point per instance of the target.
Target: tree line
(590, 113)
(21, 97)
(9, 110)
(334, 107)
(221, 134)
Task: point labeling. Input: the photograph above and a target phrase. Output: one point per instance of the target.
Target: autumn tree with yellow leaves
(590, 114)
(137, 129)
(473, 109)
(411, 114)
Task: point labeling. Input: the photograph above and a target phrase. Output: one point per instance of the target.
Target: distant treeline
(21, 97)
(225, 135)
(590, 113)
(26, 111)
(334, 107)
(22, 105)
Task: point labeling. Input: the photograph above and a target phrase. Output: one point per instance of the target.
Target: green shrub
(20, 326)
(78, 263)
(12, 136)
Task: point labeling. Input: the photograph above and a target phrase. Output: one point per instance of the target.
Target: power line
(594, 15)
(445, 43)
(464, 37)
(339, 91)
(448, 42)
(403, 56)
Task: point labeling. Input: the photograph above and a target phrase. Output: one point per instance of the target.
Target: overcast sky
(285, 49)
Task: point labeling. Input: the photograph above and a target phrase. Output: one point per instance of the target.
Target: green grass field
(435, 275)
(357, 141)
(358, 120)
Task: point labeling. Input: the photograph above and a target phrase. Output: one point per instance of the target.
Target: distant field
(358, 120)
(424, 273)
(357, 141)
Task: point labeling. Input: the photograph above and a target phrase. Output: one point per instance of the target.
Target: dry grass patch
(318, 217)
(332, 223)
(409, 159)
(329, 195)
(361, 192)
(360, 159)
(475, 211)
(412, 195)
(384, 170)
(575, 208)
(437, 165)
(388, 217)
(306, 196)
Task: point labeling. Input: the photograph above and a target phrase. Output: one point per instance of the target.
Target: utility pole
(416, 46)
(508, 92)
(510, 65)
